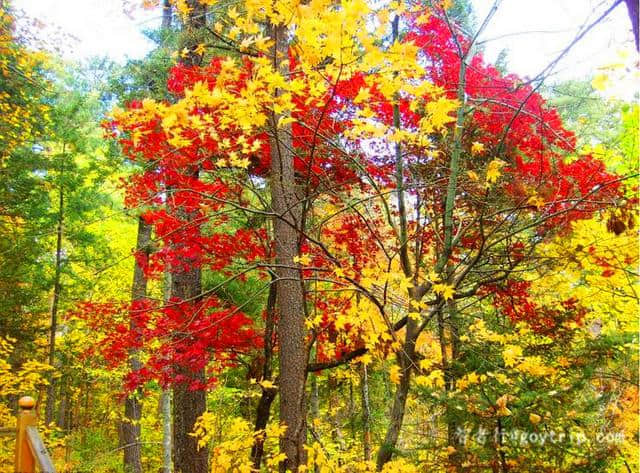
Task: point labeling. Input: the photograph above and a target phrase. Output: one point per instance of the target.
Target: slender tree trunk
(406, 357)
(314, 402)
(132, 407)
(263, 411)
(289, 289)
(454, 459)
(406, 361)
(165, 401)
(366, 413)
(165, 397)
(51, 389)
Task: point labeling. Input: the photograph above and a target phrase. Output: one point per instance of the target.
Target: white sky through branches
(534, 32)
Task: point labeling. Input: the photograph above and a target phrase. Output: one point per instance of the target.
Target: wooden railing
(30, 450)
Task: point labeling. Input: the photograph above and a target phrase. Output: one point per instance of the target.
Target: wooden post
(25, 462)
(30, 450)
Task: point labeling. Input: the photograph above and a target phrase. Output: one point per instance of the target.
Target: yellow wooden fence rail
(30, 450)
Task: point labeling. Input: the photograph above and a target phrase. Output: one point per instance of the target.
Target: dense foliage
(354, 244)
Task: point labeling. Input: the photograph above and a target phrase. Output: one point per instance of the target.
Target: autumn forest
(319, 236)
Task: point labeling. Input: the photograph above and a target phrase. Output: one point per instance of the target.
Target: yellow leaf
(445, 290)
(304, 260)
(511, 354)
(394, 374)
(200, 49)
(266, 384)
(537, 201)
(501, 404)
(365, 359)
(282, 121)
(477, 147)
(493, 170)
(363, 95)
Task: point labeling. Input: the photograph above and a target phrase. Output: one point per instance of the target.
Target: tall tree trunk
(366, 413)
(289, 289)
(406, 356)
(51, 389)
(132, 408)
(165, 402)
(263, 411)
(406, 361)
(189, 405)
(453, 460)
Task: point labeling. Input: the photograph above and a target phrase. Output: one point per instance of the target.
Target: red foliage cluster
(186, 337)
(514, 300)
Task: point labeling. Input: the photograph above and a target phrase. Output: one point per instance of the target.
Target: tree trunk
(406, 360)
(334, 411)
(454, 460)
(51, 389)
(263, 411)
(366, 413)
(289, 289)
(132, 408)
(189, 405)
(165, 401)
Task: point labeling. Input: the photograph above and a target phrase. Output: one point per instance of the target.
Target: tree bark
(62, 406)
(289, 289)
(263, 411)
(406, 361)
(366, 413)
(453, 460)
(188, 405)
(132, 408)
(165, 402)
